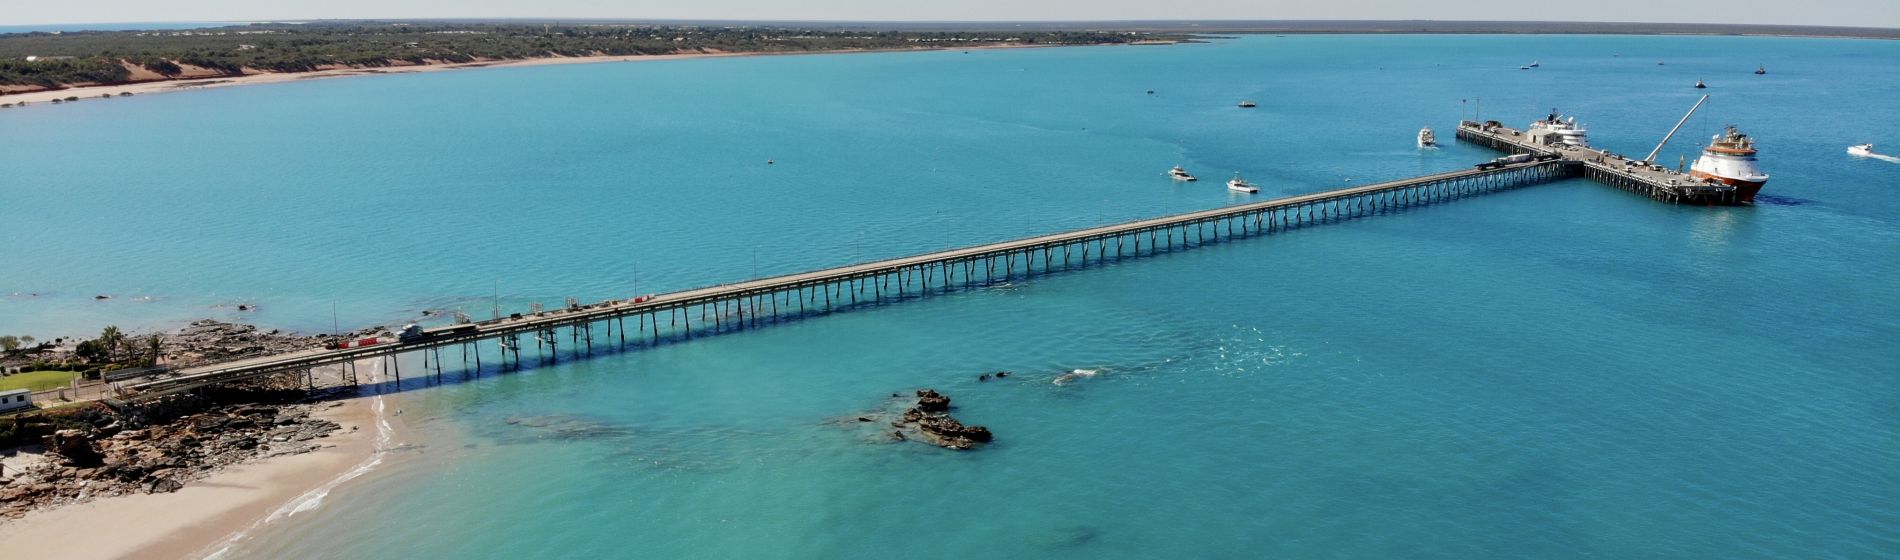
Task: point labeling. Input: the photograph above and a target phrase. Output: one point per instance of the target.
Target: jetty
(720, 308)
(1641, 177)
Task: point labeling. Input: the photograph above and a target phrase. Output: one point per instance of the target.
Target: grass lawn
(38, 380)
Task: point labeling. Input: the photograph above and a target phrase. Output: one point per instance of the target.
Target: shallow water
(1559, 371)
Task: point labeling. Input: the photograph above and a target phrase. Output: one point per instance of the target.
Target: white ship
(1730, 160)
(1179, 174)
(1239, 184)
(1426, 139)
(1863, 150)
(1556, 129)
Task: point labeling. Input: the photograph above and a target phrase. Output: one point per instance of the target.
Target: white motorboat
(1426, 139)
(1863, 150)
(1180, 174)
(1241, 185)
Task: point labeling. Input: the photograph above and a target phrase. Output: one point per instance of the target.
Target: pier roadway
(749, 300)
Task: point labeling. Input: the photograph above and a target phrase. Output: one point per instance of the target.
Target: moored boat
(1759, 70)
(1180, 174)
(1729, 159)
(1700, 85)
(1557, 129)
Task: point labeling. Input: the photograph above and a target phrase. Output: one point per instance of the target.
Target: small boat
(1179, 174)
(1523, 68)
(1535, 64)
(1759, 70)
(1863, 150)
(1247, 104)
(1659, 63)
(1700, 85)
(1426, 139)
(1239, 184)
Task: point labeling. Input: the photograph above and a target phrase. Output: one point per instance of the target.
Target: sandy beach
(207, 515)
(93, 93)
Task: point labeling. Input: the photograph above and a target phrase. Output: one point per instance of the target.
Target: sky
(1873, 13)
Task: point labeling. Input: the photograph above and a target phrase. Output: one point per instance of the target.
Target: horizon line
(1187, 22)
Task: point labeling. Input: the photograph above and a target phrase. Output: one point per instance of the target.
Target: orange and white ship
(1730, 159)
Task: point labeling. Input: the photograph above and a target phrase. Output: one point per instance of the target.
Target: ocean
(1560, 371)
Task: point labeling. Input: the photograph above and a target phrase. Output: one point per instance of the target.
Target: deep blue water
(1559, 371)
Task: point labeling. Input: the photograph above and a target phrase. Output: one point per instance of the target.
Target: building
(16, 399)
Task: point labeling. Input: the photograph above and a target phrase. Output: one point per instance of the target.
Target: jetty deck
(750, 303)
(746, 303)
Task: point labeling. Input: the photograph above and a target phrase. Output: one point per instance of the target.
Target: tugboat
(1180, 174)
(1730, 160)
(1700, 85)
(1426, 139)
(1241, 185)
(1759, 70)
(1863, 150)
(1246, 104)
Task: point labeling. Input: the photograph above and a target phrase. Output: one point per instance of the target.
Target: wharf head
(1640, 177)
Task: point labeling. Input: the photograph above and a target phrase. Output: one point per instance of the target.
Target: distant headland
(79, 63)
(59, 60)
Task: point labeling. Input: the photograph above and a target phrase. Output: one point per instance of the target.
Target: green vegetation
(10, 344)
(102, 56)
(38, 380)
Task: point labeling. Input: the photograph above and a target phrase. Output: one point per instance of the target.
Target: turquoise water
(1560, 371)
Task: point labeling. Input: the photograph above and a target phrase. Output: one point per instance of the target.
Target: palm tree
(111, 339)
(154, 343)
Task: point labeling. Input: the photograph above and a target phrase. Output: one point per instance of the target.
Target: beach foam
(313, 499)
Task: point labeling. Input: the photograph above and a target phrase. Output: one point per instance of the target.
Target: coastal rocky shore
(161, 446)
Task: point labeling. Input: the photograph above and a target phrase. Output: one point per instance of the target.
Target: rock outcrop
(931, 418)
(108, 459)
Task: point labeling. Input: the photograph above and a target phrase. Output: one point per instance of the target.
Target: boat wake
(1073, 375)
(310, 500)
(1883, 157)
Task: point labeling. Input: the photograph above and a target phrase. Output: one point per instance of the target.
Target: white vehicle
(1426, 139)
(1863, 150)
(1180, 174)
(1241, 185)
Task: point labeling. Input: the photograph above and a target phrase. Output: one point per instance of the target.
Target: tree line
(99, 56)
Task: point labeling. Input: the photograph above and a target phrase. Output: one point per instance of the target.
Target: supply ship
(1730, 159)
